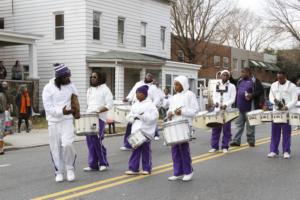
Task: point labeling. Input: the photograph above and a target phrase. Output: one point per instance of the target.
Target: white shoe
(59, 178)
(174, 178)
(145, 173)
(286, 155)
(225, 150)
(88, 169)
(212, 151)
(70, 175)
(124, 149)
(103, 168)
(272, 155)
(129, 172)
(156, 138)
(188, 177)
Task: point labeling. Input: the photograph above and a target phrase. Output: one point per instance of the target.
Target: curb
(12, 148)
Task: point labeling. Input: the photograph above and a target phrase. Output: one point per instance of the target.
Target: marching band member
(298, 102)
(223, 102)
(131, 97)
(143, 116)
(183, 105)
(99, 100)
(57, 104)
(283, 96)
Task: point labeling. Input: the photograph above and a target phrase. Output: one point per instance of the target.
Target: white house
(122, 38)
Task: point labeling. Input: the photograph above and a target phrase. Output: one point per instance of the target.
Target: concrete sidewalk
(36, 137)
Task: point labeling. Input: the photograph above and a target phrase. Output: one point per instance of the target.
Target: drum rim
(89, 115)
(174, 122)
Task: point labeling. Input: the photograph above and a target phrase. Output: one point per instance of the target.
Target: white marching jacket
(55, 99)
(228, 97)
(185, 100)
(152, 93)
(147, 115)
(98, 97)
(287, 91)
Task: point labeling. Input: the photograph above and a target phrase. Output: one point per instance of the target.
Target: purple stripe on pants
(97, 152)
(134, 161)
(286, 137)
(127, 133)
(216, 133)
(182, 162)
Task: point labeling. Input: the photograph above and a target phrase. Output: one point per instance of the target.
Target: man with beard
(57, 104)
(131, 97)
(99, 100)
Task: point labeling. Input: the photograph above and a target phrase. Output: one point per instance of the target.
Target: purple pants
(286, 137)
(134, 161)
(216, 133)
(127, 133)
(97, 152)
(182, 162)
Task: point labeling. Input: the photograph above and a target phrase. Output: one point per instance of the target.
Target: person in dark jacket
(249, 97)
(3, 71)
(23, 104)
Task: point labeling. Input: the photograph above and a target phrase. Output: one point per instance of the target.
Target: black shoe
(251, 144)
(2, 152)
(234, 144)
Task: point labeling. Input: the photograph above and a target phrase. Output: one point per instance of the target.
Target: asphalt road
(244, 173)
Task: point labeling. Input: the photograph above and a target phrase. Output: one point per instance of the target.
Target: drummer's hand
(170, 115)
(103, 109)
(216, 105)
(285, 108)
(125, 100)
(178, 112)
(67, 112)
(223, 107)
(249, 96)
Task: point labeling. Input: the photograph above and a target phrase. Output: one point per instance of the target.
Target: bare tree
(195, 24)
(247, 31)
(285, 17)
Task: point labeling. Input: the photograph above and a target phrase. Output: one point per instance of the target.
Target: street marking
(5, 165)
(156, 170)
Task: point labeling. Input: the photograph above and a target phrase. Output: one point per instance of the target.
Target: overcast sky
(255, 6)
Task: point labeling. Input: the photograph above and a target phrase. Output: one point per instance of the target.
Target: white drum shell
(199, 120)
(214, 118)
(120, 113)
(266, 116)
(254, 117)
(280, 117)
(294, 119)
(176, 132)
(136, 139)
(87, 124)
(231, 114)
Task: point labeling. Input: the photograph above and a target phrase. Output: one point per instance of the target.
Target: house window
(169, 82)
(143, 34)
(96, 25)
(121, 30)
(1, 23)
(59, 26)
(180, 56)
(225, 62)
(163, 37)
(243, 63)
(235, 64)
(217, 60)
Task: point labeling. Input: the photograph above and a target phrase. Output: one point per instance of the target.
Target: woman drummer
(99, 100)
(143, 116)
(223, 98)
(183, 105)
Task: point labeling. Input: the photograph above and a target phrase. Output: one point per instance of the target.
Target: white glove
(131, 119)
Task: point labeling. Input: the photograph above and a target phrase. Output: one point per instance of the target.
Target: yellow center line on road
(156, 170)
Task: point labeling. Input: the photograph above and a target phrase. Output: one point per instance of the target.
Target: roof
(264, 65)
(124, 56)
(8, 38)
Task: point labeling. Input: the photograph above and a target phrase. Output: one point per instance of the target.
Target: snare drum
(266, 116)
(176, 132)
(231, 114)
(87, 124)
(136, 139)
(294, 119)
(214, 119)
(280, 117)
(254, 117)
(199, 120)
(121, 112)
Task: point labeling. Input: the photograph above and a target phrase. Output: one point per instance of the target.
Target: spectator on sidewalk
(3, 71)
(17, 71)
(2, 118)
(23, 104)
(111, 125)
